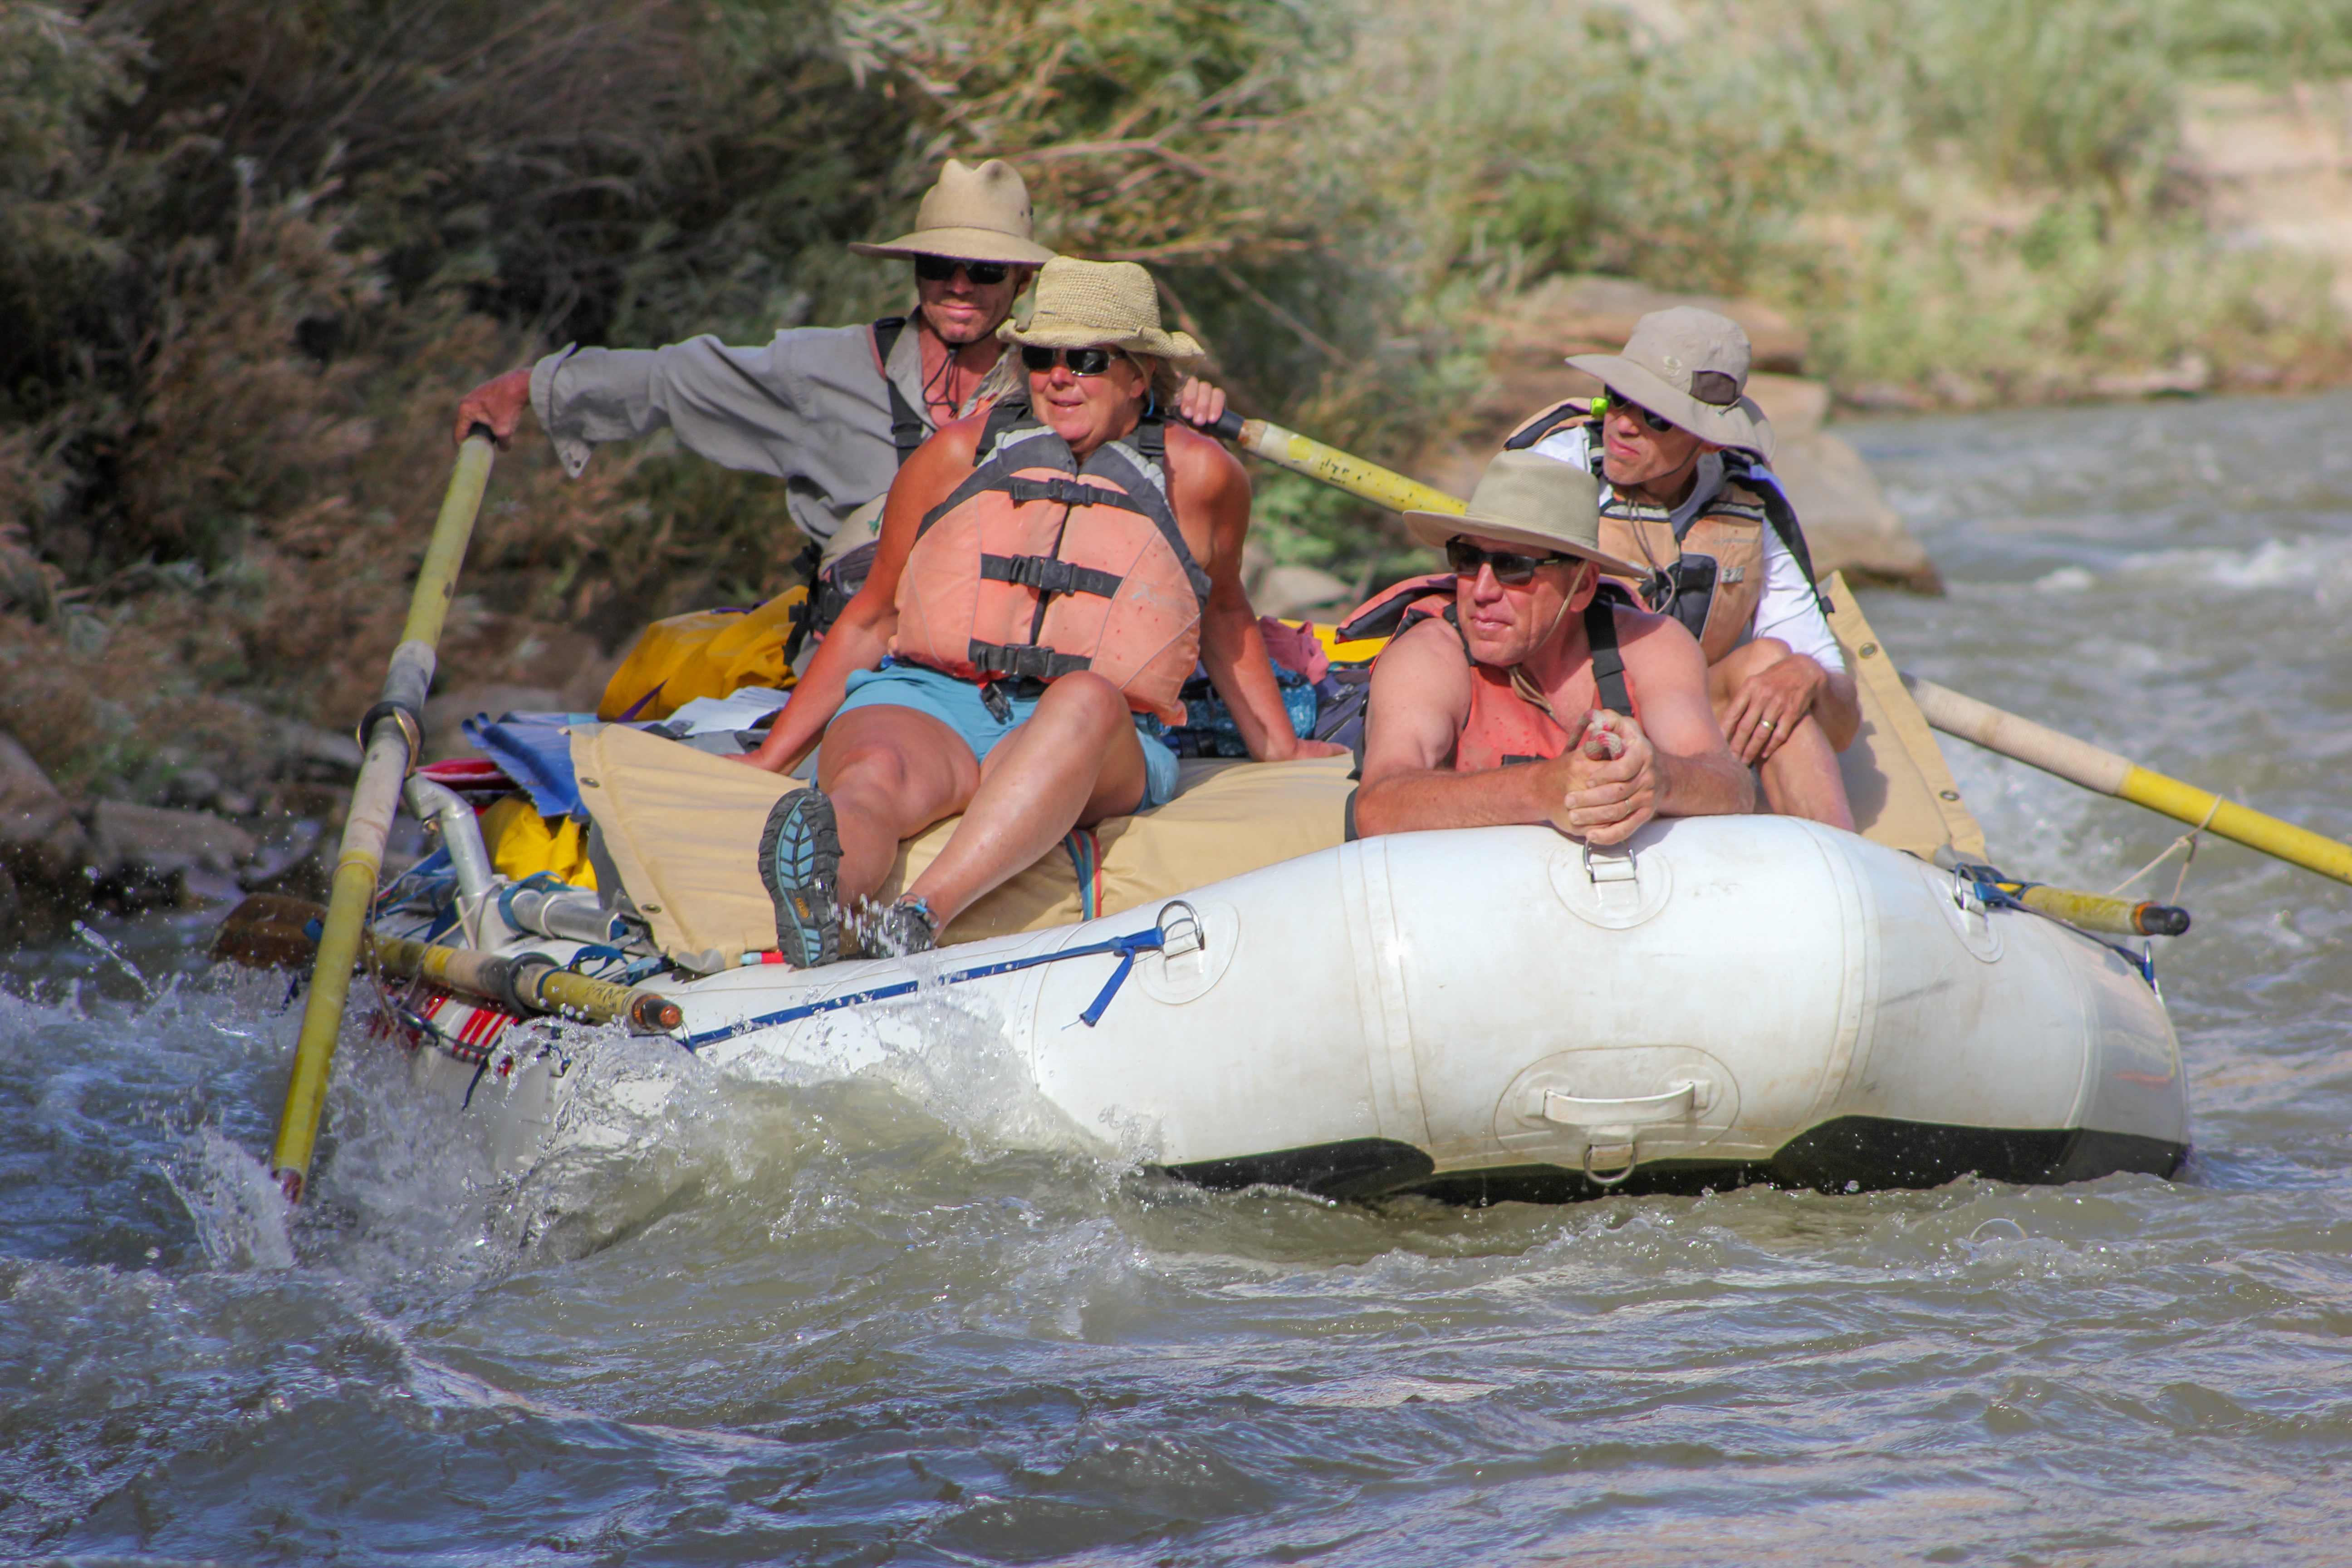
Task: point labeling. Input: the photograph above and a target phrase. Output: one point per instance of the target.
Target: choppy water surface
(846, 1323)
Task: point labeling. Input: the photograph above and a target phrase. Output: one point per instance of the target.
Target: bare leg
(1800, 775)
(1801, 779)
(891, 773)
(1076, 760)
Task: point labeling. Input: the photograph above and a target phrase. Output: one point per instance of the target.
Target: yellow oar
(2078, 761)
(391, 731)
(2094, 768)
(1365, 481)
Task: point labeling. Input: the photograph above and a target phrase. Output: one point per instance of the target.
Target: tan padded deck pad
(683, 828)
(1902, 792)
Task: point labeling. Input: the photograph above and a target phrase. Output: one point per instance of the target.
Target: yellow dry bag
(710, 653)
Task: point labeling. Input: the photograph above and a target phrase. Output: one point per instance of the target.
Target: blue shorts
(958, 704)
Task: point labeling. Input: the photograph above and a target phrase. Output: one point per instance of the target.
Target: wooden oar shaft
(1366, 482)
(391, 740)
(2095, 768)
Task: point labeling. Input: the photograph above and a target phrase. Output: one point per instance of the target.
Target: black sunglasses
(1082, 362)
(1463, 559)
(939, 268)
(1617, 402)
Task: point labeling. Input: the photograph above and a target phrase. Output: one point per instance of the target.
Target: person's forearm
(848, 648)
(1416, 799)
(1234, 649)
(1711, 786)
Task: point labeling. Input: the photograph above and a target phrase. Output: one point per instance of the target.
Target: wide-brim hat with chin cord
(971, 215)
(1540, 504)
(1099, 304)
(1690, 366)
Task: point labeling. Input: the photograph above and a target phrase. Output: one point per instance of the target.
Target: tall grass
(250, 253)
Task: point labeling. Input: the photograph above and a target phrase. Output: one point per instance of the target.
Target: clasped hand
(1604, 799)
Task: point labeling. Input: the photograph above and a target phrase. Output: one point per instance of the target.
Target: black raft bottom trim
(1858, 1153)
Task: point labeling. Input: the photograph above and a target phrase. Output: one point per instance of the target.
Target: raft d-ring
(1633, 1147)
(1179, 929)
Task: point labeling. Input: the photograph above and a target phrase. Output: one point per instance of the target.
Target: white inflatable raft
(1496, 1013)
(1478, 1015)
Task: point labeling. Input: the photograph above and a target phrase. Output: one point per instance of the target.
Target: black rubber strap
(1783, 519)
(1026, 660)
(908, 429)
(1385, 616)
(412, 725)
(1151, 436)
(1048, 575)
(1608, 664)
(1544, 423)
(1070, 493)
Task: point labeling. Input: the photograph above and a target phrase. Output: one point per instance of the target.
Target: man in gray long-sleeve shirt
(831, 411)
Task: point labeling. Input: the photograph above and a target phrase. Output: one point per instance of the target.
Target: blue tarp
(536, 754)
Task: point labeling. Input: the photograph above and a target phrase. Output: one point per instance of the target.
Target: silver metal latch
(1616, 880)
(1179, 929)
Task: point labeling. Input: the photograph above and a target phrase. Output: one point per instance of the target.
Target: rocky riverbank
(201, 839)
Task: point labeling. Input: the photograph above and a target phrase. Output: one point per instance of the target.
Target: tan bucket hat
(1528, 500)
(1691, 366)
(971, 215)
(1099, 304)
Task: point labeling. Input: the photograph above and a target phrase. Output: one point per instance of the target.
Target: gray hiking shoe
(905, 927)
(800, 861)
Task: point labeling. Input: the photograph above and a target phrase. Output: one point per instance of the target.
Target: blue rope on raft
(1126, 947)
(1086, 858)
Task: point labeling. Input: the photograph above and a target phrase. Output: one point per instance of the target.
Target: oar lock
(1976, 889)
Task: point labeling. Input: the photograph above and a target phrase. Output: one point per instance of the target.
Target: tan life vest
(1038, 566)
(1711, 576)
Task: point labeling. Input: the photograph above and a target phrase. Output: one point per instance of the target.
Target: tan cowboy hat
(971, 215)
(1099, 304)
(1688, 365)
(1538, 503)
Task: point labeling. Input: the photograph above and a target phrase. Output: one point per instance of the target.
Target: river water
(850, 1323)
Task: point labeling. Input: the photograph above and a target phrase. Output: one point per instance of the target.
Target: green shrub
(251, 254)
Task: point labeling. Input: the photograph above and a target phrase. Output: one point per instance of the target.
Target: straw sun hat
(1690, 366)
(971, 215)
(1099, 304)
(1537, 503)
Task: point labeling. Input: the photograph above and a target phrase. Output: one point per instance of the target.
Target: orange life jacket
(1038, 566)
(1504, 726)
(1710, 575)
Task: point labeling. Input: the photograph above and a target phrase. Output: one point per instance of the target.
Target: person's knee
(866, 762)
(1086, 699)
(1733, 671)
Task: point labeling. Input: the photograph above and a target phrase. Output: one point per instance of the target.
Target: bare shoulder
(1427, 659)
(1200, 468)
(1655, 638)
(1420, 701)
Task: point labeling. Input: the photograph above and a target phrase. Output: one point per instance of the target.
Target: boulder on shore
(40, 837)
